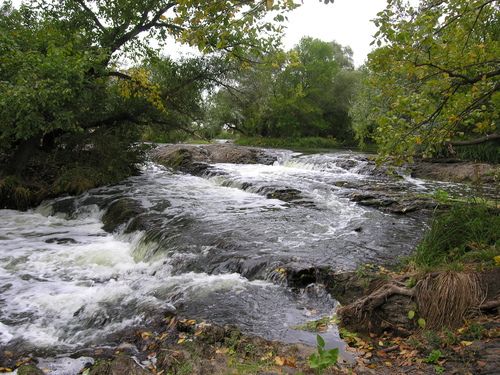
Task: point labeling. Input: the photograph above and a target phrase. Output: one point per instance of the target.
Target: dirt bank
(456, 171)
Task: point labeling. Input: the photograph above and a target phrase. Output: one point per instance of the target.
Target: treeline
(303, 92)
(80, 84)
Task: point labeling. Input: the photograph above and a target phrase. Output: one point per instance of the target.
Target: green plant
(468, 231)
(474, 332)
(439, 369)
(441, 196)
(450, 338)
(433, 357)
(324, 358)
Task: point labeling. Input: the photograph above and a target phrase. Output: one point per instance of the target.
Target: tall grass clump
(466, 232)
(486, 152)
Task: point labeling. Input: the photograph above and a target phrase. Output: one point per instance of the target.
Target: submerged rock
(393, 203)
(121, 212)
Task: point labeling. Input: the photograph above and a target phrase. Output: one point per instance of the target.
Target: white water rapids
(65, 283)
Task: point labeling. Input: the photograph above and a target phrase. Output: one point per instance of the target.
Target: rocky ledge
(453, 170)
(194, 159)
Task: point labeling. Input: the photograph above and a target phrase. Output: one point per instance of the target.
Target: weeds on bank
(323, 358)
(468, 232)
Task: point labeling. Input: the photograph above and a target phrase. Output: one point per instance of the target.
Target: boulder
(194, 159)
(119, 212)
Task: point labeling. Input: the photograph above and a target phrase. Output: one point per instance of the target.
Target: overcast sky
(346, 21)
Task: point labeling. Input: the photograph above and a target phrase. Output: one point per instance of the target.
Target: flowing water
(212, 249)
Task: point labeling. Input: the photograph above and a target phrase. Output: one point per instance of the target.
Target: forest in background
(80, 85)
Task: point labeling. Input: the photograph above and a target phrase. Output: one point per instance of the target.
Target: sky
(345, 21)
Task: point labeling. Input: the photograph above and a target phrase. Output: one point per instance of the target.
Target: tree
(60, 66)
(434, 79)
(303, 92)
(79, 76)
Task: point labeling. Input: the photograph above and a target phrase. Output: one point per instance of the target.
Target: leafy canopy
(302, 92)
(434, 78)
(62, 61)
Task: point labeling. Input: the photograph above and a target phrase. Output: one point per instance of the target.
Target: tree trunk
(22, 156)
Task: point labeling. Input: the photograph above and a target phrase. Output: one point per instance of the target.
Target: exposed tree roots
(443, 299)
(446, 298)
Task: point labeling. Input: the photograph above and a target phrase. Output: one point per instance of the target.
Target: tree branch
(91, 14)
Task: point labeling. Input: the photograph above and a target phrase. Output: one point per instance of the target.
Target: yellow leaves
(145, 335)
(418, 140)
(285, 361)
(222, 350)
(182, 338)
(280, 361)
(496, 259)
(139, 85)
(466, 343)
(267, 356)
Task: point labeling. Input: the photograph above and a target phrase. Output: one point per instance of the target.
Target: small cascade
(213, 247)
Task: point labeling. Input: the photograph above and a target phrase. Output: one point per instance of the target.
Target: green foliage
(304, 92)
(13, 194)
(60, 81)
(324, 358)
(294, 143)
(433, 357)
(319, 325)
(468, 231)
(434, 77)
(486, 152)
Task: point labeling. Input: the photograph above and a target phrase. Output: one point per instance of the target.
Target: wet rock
(29, 370)
(300, 275)
(393, 203)
(285, 195)
(119, 366)
(194, 159)
(61, 241)
(66, 206)
(120, 212)
(161, 206)
(150, 223)
(347, 164)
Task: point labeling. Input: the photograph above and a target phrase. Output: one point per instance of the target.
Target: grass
(486, 152)
(468, 232)
(294, 143)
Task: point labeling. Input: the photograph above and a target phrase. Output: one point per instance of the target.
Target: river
(214, 249)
